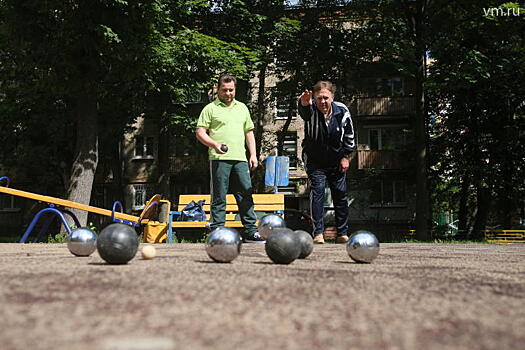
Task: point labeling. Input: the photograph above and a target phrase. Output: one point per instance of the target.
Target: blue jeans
(336, 180)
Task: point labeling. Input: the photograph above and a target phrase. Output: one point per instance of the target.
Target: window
(390, 87)
(388, 139)
(184, 146)
(196, 96)
(389, 193)
(141, 194)
(384, 87)
(7, 203)
(144, 147)
(290, 148)
(285, 106)
(291, 189)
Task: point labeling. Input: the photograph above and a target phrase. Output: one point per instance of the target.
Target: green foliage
(58, 238)
(135, 57)
(477, 94)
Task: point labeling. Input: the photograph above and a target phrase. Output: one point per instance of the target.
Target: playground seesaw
(57, 206)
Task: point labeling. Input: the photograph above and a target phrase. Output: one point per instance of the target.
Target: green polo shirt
(227, 125)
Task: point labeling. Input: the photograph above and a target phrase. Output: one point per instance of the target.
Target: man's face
(323, 100)
(226, 92)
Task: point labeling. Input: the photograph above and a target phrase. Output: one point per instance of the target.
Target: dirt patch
(413, 296)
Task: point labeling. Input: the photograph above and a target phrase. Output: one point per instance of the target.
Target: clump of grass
(58, 238)
(62, 237)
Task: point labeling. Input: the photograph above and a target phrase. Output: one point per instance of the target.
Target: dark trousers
(336, 180)
(226, 173)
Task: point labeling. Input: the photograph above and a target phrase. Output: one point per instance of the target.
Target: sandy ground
(413, 296)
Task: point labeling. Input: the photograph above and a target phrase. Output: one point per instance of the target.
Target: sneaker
(341, 239)
(255, 238)
(319, 239)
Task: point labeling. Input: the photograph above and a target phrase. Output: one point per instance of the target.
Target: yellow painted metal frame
(69, 204)
(505, 236)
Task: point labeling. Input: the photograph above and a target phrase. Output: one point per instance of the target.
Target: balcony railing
(382, 159)
(374, 106)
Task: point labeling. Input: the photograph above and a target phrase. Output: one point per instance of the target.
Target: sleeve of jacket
(305, 112)
(348, 133)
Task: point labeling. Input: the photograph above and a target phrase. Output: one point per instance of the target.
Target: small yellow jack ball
(148, 252)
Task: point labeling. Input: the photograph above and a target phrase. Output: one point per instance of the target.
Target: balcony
(377, 106)
(382, 159)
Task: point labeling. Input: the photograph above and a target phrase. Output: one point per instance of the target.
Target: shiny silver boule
(363, 247)
(268, 223)
(223, 244)
(82, 241)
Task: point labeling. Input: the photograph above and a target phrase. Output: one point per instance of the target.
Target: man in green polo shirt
(227, 122)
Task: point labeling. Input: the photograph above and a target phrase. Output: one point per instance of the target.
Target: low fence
(505, 236)
(491, 236)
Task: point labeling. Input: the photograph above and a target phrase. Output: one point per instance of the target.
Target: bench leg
(170, 230)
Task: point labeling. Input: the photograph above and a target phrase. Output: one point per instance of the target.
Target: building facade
(381, 177)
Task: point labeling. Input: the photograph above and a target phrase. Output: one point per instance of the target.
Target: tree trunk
(117, 168)
(508, 195)
(463, 209)
(258, 177)
(261, 104)
(483, 208)
(86, 154)
(422, 194)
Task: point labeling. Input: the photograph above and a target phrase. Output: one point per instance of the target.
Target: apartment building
(381, 180)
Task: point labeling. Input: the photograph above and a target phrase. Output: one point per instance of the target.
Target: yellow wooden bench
(505, 236)
(263, 203)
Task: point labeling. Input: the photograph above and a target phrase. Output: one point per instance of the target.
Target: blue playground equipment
(57, 205)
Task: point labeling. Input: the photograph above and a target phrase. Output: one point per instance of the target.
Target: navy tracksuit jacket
(323, 148)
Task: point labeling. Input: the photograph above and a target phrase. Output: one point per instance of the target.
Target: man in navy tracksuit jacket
(327, 145)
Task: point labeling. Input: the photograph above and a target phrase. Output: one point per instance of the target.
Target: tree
(92, 67)
(261, 26)
(477, 97)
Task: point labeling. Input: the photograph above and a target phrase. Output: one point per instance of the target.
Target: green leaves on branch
(212, 55)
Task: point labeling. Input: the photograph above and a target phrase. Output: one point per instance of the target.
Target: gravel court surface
(413, 296)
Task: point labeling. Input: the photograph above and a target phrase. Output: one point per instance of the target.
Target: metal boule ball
(363, 247)
(268, 222)
(224, 148)
(82, 241)
(282, 246)
(306, 242)
(117, 243)
(223, 244)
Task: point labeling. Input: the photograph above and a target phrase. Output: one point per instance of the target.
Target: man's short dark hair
(226, 78)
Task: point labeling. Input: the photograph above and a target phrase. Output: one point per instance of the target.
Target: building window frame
(290, 189)
(290, 149)
(144, 147)
(141, 193)
(390, 87)
(282, 104)
(385, 87)
(390, 193)
(197, 97)
(7, 204)
(380, 136)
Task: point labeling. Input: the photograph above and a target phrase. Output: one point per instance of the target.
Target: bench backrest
(262, 203)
